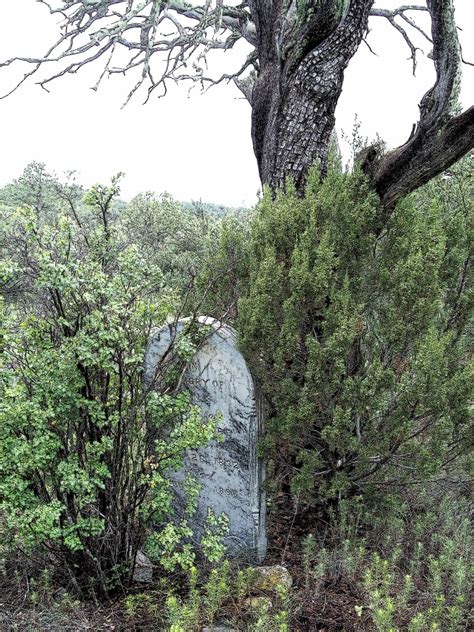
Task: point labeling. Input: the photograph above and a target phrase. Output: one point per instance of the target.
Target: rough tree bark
(302, 60)
(440, 137)
(300, 51)
(302, 56)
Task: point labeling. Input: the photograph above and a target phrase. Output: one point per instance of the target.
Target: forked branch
(401, 12)
(441, 137)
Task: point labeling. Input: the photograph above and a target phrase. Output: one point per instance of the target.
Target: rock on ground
(271, 577)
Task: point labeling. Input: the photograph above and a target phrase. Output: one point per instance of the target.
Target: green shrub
(358, 337)
(411, 566)
(226, 594)
(436, 595)
(84, 446)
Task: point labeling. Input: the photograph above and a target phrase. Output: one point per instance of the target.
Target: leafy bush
(359, 336)
(170, 236)
(84, 447)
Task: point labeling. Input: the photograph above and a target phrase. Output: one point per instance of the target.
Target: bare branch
(416, 26)
(385, 13)
(250, 61)
(408, 41)
(390, 15)
(441, 137)
(364, 39)
(176, 33)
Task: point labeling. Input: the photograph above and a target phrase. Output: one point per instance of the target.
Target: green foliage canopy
(84, 446)
(359, 337)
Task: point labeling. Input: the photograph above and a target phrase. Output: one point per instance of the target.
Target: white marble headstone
(229, 471)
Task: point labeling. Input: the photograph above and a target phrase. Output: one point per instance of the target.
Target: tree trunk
(302, 61)
(303, 49)
(295, 133)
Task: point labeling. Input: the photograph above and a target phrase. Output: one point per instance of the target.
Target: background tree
(173, 237)
(45, 196)
(292, 77)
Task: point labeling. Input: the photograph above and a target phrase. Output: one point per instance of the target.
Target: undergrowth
(407, 567)
(412, 570)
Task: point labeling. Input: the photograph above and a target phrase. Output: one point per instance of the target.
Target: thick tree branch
(314, 24)
(440, 138)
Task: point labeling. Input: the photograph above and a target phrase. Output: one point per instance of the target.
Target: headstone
(143, 570)
(229, 471)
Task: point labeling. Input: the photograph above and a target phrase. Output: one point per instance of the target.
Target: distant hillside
(210, 208)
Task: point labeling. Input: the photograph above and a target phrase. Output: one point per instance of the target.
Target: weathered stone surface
(229, 471)
(270, 577)
(143, 571)
(258, 603)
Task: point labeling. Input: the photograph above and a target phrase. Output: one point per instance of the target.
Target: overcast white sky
(196, 147)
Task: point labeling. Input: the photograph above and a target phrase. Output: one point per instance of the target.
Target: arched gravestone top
(229, 471)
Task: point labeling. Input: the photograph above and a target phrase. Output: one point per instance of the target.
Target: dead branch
(390, 15)
(176, 33)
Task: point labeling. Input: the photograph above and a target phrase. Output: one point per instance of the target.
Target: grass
(407, 569)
